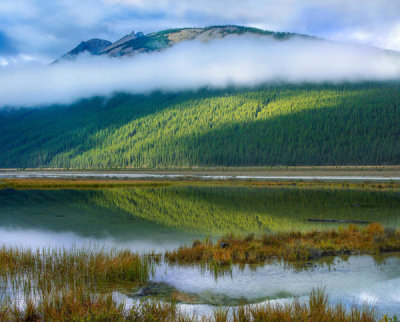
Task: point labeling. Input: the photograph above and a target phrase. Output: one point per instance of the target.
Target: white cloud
(334, 19)
(3, 61)
(54, 27)
(392, 40)
(239, 61)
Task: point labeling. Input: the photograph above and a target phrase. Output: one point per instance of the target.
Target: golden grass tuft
(48, 268)
(317, 309)
(82, 305)
(292, 246)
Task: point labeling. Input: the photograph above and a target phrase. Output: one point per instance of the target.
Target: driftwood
(341, 221)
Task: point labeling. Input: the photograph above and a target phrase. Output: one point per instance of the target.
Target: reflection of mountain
(180, 212)
(219, 210)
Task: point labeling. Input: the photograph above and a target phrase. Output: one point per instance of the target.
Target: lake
(161, 218)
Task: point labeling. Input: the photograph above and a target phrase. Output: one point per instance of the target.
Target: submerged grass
(291, 246)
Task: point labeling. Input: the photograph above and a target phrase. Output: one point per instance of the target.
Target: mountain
(266, 125)
(310, 124)
(132, 43)
(121, 47)
(92, 46)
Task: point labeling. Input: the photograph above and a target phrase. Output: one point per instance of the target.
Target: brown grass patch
(79, 183)
(292, 246)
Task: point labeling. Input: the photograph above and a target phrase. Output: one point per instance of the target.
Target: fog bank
(190, 65)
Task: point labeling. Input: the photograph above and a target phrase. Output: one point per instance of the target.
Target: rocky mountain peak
(92, 46)
(136, 43)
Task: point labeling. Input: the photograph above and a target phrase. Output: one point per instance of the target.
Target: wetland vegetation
(82, 305)
(145, 227)
(291, 246)
(65, 285)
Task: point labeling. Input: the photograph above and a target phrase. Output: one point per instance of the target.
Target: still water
(161, 218)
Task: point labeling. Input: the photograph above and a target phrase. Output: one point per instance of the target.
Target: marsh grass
(78, 183)
(66, 285)
(43, 183)
(81, 305)
(317, 309)
(44, 269)
(290, 247)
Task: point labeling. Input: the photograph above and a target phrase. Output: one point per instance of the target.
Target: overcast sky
(40, 30)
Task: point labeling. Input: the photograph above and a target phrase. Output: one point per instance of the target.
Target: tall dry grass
(317, 309)
(81, 305)
(42, 270)
(64, 285)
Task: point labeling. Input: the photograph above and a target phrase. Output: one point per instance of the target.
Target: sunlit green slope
(269, 125)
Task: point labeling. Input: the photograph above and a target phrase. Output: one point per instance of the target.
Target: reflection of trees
(241, 210)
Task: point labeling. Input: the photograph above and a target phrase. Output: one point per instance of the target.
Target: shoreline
(29, 183)
(358, 174)
(366, 178)
(221, 169)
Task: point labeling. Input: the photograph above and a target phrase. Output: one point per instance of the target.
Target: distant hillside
(132, 43)
(268, 125)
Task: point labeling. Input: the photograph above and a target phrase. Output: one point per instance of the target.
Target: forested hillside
(269, 125)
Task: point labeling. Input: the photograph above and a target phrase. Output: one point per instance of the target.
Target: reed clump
(81, 305)
(317, 309)
(72, 267)
(291, 246)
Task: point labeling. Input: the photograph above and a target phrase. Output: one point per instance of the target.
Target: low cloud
(51, 29)
(232, 61)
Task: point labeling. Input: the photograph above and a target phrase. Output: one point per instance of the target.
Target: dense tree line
(269, 125)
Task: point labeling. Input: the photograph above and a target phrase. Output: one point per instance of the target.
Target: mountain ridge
(135, 43)
(92, 46)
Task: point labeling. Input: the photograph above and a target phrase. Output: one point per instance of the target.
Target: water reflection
(145, 219)
(182, 213)
(351, 280)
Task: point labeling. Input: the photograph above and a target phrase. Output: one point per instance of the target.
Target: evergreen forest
(304, 124)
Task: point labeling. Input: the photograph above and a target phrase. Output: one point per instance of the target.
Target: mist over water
(15, 237)
(234, 60)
